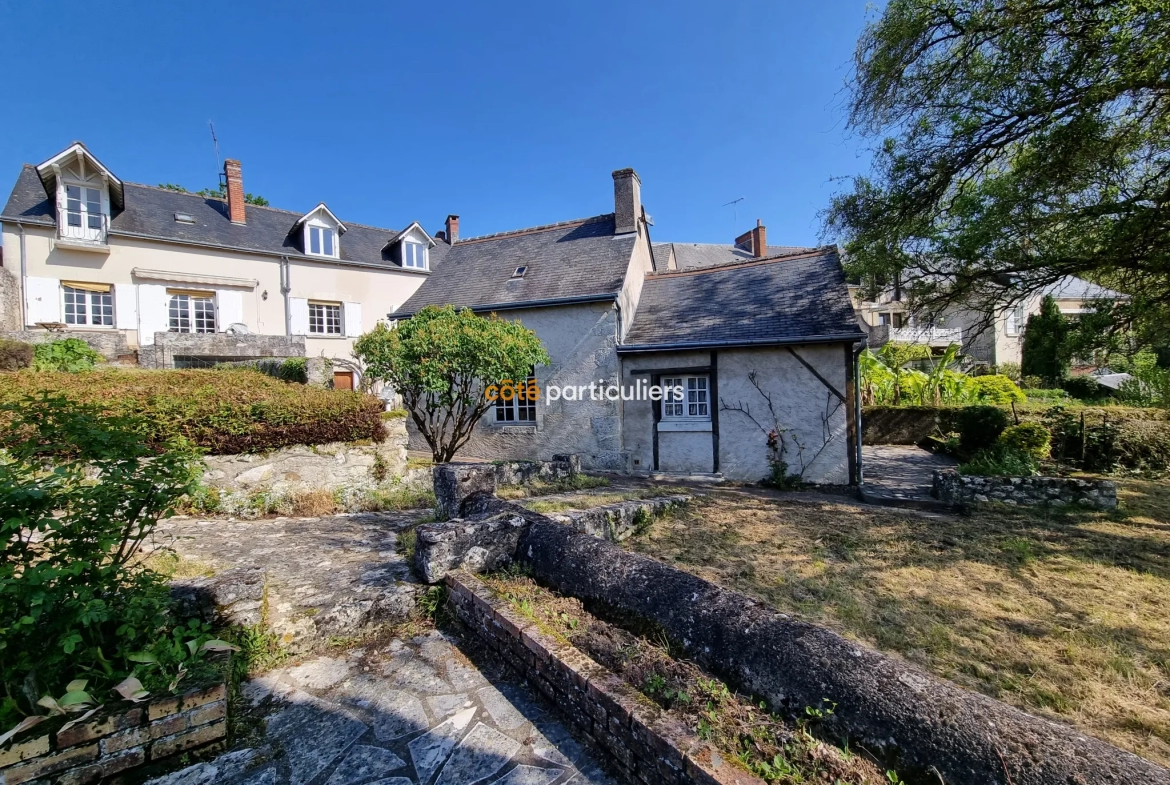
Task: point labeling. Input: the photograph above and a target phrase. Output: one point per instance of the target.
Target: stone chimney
(235, 190)
(627, 201)
(754, 241)
(452, 229)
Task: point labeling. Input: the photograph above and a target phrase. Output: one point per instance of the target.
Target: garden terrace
(221, 411)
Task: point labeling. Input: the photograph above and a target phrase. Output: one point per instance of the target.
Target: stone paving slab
(900, 474)
(401, 712)
(321, 577)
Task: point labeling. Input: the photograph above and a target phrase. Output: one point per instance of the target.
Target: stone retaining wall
(115, 742)
(290, 470)
(646, 745)
(618, 521)
(456, 482)
(959, 490)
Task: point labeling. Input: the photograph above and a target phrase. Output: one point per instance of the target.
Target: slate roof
(150, 212)
(579, 259)
(688, 256)
(791, 298)
(1072, 288)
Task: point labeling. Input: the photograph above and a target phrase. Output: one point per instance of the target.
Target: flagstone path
(406, 712)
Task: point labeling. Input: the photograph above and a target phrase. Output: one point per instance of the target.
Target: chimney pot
(234, 175)
(452, 229)
(627, 201)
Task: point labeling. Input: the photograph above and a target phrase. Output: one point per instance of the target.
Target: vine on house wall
(782, 442)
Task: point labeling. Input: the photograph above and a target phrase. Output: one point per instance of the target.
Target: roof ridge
(531, 229)
(260, 206)
(821, 251)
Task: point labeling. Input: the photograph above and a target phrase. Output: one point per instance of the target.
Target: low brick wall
(334, 466)
(114, 742)
(959, 490)
(644, 742)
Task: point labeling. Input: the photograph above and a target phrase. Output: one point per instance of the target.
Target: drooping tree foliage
(441, 361)
(1045, 353)
(1021, 141)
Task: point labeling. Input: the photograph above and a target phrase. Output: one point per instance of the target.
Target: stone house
(168, 279)
(759, 339)
(991, 338)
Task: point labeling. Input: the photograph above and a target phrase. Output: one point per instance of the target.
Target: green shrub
(1010, 370)
(15, 355)
(999, 461)
(221, 411)
(67, 354)
(79, 493)
(979, 426)
(1029, 438)
(1084, 388)
(294, 369)
(997, 389)
(1045, 395)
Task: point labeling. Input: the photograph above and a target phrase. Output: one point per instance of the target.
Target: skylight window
(519, 272)
(184, 218)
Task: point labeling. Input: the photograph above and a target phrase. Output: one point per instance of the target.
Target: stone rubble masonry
(218, 346)
(299, 469)
(615, 522)
(110, 344)
(116, 741)
(914, 720)
(454, 482)
(961, 491)
(646, 744)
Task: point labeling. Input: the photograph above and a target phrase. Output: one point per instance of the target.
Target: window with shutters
(190, 312)
(324, 318)
(90, 305)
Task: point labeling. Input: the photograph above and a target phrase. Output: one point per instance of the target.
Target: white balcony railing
(83, 228)
(925, 335)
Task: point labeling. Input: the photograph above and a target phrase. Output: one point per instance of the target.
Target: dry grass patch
(1062, 614)
(312, 504)
(578, 482)
(585, 501)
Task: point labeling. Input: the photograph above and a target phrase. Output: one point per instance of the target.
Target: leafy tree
(1023, 141)
(1045, 352)
(441, 361)
(219, 192)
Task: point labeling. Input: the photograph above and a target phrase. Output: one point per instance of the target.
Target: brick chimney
(627, 201)
(452, 229)
(235, 190)
(754, 241)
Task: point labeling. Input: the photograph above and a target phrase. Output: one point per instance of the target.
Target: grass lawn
(1062, 614)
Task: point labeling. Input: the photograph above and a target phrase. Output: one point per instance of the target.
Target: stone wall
(903, 424)
(214, 346)
(959, 490)
(290, 470)
(455, 482)
(116, 741)
(927, 728)
(580, 340)
(9, 300)
(645, 745)
(110, 344)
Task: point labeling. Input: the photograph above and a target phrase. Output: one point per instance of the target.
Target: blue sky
(508, 114)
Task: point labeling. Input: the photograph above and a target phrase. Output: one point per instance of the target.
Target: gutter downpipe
(23, 281)
(861, 347)
(286, 290)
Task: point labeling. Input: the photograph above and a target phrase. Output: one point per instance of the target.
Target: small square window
(518, 409)
(519, 272)
(685, 398)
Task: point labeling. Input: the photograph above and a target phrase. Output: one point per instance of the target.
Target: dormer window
(321, 232)
(85, 191)
(322, 241)
(414, 255)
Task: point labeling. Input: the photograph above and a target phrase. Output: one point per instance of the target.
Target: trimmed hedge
(224, 412)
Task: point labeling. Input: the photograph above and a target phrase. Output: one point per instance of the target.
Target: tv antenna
(215, 143)
(734, 205)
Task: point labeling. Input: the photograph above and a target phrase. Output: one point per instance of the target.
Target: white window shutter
(353, 320)
(152, 312)
(42, 300)
(230, 304)
(125, 306)
(299, 312)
